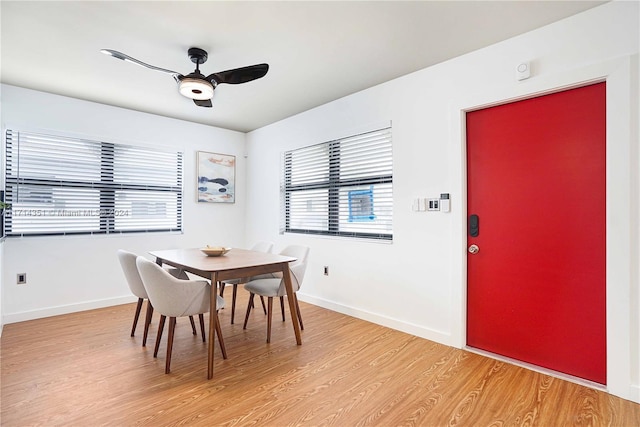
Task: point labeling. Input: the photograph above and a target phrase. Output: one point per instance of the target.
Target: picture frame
(216, 177)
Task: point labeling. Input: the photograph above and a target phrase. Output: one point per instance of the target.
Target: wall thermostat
(445, 202)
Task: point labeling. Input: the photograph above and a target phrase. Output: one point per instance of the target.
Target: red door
(536, 185)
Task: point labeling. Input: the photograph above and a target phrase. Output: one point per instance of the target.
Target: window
(58, 185)
(340, 188)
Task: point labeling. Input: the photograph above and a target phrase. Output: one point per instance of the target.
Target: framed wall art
(216, 178)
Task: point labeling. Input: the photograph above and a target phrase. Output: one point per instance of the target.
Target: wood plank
(85, 369)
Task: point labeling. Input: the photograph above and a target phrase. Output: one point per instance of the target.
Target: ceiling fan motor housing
(194, 85)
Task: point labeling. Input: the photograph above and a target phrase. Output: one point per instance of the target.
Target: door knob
(474, 249)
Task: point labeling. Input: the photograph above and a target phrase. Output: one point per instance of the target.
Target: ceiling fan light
(196, 88)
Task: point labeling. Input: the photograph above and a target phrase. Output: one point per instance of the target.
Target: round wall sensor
(523, 71)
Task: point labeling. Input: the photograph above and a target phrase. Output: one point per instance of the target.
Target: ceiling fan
(195, 85)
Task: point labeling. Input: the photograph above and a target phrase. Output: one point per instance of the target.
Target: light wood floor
(83, 369)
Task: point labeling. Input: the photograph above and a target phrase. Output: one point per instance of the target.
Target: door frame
(622, 208)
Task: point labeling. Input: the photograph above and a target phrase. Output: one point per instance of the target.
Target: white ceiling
(317, 51)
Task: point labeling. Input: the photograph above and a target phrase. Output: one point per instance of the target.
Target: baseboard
(409, 328)
(634, 394)
(66, 309)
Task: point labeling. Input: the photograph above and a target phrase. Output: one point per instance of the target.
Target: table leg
(286, 275)
(212, 322)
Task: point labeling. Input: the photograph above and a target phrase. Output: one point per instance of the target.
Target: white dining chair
(128, 263)
(174, 298)
(274, 286)
(261, 246)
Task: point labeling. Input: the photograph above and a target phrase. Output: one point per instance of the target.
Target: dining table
(235, 264)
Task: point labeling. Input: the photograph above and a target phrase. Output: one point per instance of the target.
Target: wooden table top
(193, 260)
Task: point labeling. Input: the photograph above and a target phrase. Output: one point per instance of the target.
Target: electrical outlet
(326, 270)
(22, 279)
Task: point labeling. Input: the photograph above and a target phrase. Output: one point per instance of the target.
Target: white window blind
(341, 188)
(61, 185)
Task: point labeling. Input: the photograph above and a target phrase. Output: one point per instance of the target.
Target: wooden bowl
(215, 250)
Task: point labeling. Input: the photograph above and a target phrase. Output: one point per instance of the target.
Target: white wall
(66, 274)
(417, 283)
(1, 286)
(1, 240)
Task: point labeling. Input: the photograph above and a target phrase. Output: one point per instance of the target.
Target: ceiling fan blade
(203, 102)
(122, 56)
(239, 75)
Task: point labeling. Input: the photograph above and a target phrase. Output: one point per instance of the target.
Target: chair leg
(160, 328)
(282, 307)
(172, 328)
(264, 307)
(220, 339)
(193, 325)
(135, 316)
(269, 315)
(147, 322)
(201, 317)
(246, 318)
(222, 286)
(233, 302)
(295, 299)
